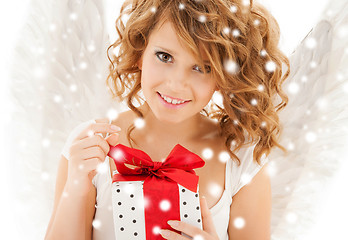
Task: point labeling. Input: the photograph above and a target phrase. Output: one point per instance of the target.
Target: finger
(95, 140)
(93, 152)
(97, 128)
(89, 165)
(170, 235)
(186, 228)
(113, 139)
(208, 224)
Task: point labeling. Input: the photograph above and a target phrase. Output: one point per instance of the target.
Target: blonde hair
(255, 47)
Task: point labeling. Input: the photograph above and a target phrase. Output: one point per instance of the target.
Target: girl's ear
(140, 63)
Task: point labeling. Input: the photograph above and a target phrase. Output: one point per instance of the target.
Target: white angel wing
(315, 125)
(58, 81)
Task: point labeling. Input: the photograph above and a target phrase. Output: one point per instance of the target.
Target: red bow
(135, 165)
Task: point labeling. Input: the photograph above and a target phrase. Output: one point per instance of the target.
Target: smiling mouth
(172, 100)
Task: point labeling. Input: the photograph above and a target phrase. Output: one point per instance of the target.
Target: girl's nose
(178, 81)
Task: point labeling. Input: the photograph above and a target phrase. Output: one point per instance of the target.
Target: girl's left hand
(208, 232)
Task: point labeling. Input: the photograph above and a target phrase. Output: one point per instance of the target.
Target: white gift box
(129, 210)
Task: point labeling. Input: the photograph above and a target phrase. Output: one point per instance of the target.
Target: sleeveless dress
(235, 178)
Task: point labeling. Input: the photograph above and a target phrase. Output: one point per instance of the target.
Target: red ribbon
(160, 181)
(178, 166)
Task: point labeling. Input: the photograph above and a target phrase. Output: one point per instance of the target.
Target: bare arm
(72, 214)
(252, 203)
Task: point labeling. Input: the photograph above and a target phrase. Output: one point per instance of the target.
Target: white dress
(220, 211)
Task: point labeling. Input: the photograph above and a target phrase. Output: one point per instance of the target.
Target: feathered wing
(315, 125)
(58, 81)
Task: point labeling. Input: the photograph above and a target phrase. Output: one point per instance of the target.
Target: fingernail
(164, 233)
(116, 128)
(173, 223)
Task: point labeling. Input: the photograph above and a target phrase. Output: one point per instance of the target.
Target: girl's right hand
(86, 152)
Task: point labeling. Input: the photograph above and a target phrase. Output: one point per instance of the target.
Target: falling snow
(224, 156)
(235, 32)
(231, 66)
(96, 223)
(257, 22)
(260, 88)
(263, 52)
(139, 123)
(202, 18)
(102, 168)
(311, 43)
(198, 237)
(207, 153)
(291, 217)
(293, 88)
(156, 230)
(233, 9)
(239, 222)
(270, 66)
(73, 16)
(165, 205)
(215, 189)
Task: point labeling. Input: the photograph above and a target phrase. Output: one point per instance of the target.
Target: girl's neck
(185, 131)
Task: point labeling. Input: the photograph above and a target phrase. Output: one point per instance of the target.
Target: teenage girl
(172, 57)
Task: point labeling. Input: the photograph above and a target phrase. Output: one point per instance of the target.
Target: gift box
(146, 194)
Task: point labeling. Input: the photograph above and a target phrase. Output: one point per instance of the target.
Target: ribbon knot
(177, 167)
(156, 166)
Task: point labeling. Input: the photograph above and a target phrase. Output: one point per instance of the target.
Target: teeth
(172, 101)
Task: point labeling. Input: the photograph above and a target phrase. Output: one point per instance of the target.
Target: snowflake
(139, 122)
(270, 66)
(231, 66)
(239, 222)
(207, 153)
(165, 205)
(311, 43)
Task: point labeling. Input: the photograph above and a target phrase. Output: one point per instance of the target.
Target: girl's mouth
(172, 102)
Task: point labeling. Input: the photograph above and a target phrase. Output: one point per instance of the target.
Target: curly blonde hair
(248, 93)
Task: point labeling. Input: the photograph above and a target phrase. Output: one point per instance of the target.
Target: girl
(179, 54)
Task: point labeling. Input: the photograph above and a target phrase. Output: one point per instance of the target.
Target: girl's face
(168, 69)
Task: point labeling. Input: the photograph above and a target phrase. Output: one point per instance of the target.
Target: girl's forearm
(69, 221)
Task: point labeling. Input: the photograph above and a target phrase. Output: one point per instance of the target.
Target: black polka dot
(196, 195)
(183, 190)
(133, 208)
(135, 234)
(119, 203)
(199, 220)
(118, 190)
(185, 215)
(197, 208)
(131, 195)
(120, 216)
(184, 203)
(122, 228)
(134, 221)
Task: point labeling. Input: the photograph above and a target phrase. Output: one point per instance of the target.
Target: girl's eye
(207, 69)
(168, 56)
(162, 53)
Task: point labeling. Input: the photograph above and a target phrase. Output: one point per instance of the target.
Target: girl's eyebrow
(173, 52)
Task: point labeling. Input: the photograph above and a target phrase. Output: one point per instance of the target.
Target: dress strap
(228, 178)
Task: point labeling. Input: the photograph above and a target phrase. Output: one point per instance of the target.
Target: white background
(295, 17)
